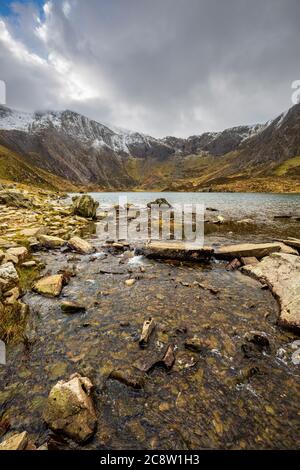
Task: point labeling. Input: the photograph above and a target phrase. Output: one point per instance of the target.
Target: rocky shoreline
(122, 295)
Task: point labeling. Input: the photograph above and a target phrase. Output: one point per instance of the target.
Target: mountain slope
(86, 152)
(13, 168)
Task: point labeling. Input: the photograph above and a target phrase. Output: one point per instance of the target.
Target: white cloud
(161, 67)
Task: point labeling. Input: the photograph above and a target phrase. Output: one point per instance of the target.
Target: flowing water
(223, 395)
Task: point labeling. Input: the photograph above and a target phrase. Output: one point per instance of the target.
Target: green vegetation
(287, 165)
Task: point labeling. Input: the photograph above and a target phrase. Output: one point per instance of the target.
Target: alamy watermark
(296, 94)
(178, 222)
(2, 92)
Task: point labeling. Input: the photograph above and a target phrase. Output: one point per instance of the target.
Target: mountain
(87, 153)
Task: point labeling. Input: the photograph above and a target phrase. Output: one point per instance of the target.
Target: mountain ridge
(88, 153)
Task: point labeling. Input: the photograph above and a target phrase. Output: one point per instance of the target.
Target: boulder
(281, 272)
(85, 206)
(159, 202)
(50, 285)
(16, 442)
(246, 250)
(14, 198)
(50, 242)
(70, 408)
(20, 253)
(8, 277)
(175, 250)
(80, 245)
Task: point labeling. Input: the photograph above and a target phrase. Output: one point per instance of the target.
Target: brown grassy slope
(14, 169)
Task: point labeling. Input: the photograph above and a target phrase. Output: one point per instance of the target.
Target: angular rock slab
(281, 272)
(50, 285)
(247, 250)
(175, 250)
(70, 409)
(16, 442)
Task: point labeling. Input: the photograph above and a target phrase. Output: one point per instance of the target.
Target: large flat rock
(281, 272)
(247, 250)
(175, 250)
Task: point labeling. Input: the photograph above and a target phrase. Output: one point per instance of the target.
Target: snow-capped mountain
(84, 151)
(79, 127)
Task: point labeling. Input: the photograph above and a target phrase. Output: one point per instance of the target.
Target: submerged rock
(72, 307)
(281, 272)
(81, 246)
(70, 409)
(85, 206)
(49, 285)
(129, 377)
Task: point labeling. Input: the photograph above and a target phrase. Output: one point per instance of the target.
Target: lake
(260, 206)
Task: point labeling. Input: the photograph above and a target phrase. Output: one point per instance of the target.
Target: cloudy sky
(164, 67)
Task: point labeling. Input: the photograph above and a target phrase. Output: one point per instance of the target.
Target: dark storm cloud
(161, 67)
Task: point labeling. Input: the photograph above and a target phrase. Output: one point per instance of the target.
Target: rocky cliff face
(84, 151)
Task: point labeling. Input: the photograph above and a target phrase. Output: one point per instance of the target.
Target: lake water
(260, 206)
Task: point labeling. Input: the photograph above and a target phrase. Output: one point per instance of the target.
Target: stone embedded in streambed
(51, 242)
(85, 206)
(246, 250)
(80, 246)
(72, 307)
(148, 328)
(49, 286)
(281, 272)
(70, 409)
(175, 250)
(129, 377)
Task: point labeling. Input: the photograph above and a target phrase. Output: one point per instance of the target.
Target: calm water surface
(235, 205)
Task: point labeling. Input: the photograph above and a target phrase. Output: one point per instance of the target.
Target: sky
(162, 67)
